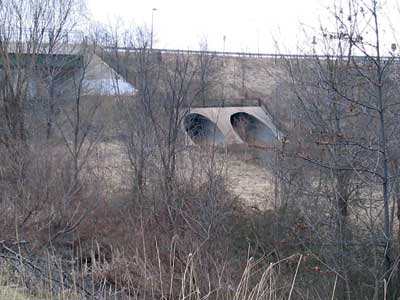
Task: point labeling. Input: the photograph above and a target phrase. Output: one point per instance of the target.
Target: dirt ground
(246, 178)
(252, 183)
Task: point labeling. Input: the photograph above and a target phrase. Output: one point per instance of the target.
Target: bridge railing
(107, 44)
(227, 103)
(24, 35)
(110, 48)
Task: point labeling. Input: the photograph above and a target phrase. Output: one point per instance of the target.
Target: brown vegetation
(102, 197)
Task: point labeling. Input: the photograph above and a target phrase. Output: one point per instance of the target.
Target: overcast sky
(250, 25)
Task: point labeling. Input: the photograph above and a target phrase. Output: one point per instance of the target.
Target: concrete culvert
(202, 130)
(251, 130)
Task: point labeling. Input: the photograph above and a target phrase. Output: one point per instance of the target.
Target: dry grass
(250, 182)
(247, 180)
(11, 288)
(14, 292)
(260, 279)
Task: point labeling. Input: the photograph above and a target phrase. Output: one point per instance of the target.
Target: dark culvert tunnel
(251, 130)
(202, 130)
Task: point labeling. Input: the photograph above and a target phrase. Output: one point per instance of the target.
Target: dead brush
(139, 276)
(143, 277)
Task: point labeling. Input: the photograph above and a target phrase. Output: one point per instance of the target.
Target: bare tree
(347, 104)
(42, 76)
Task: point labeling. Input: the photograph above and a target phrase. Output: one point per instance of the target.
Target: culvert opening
(251, 130)
(202, 130)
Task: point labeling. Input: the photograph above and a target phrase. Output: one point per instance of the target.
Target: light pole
(223, 45)
(152, 27)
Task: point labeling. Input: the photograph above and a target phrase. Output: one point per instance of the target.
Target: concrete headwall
(221, 117)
